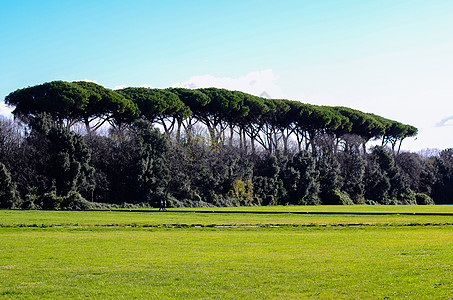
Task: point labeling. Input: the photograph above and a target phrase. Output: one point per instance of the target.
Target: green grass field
(338, 208)
(116, 255)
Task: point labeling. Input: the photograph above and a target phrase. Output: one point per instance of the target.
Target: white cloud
(255, 83)
(119, 87)
(430, 137)
(427, 107)
(88, 80)
(448, 121)
(5, 110)
(123, 86)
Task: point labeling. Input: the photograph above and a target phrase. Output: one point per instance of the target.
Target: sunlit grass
(123, 218)
(337, 208)
(74, 255)
(251, 263)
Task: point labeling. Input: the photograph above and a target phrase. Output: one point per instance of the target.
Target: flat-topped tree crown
(270, 122)
(105, 105)
(61, 100)
(70, 102)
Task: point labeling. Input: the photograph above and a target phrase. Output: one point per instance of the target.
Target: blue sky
(393, 58)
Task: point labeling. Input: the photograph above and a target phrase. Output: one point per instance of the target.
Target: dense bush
(54, 168)
(9, 197)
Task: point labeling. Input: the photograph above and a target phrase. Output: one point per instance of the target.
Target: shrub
(9, 197)
(243, 192)
(408, 198)
(337, 197)
(423, 199)
(50, 200)
(31, 200)
(74, 201)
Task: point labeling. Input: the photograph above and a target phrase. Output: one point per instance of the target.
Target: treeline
(228, 116)
(235, 157)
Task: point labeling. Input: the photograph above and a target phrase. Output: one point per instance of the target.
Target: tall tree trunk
(285, 143)
(252, 144)
(230, 142)
(178, 131)
(399, 146)
(244, 140)
(240, 139)
(87, 126)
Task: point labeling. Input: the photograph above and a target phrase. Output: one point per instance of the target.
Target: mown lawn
(337, 208)
(15, 218)
(69, 261)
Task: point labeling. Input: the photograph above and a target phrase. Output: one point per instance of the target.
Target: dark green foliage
(218, 109)
(104, 105)
(330, 181)
(407, 198)
(97, 187)
(418, 171)
(301, 180)
(442, 190)
(220, 147)
(132, 169)
(158, 106)
(152, 173)
(9, 197)
(49, 158)
(112, 160)
(423, 199)
(362, 124)
(60, 100)
(353, 171)
(74, 201)
(64, 157)
(268, 187)
(386, 183)
(67, 103)
(377, 182)
(49, 200)
(69, 164)
(205, 174)
(337, 197)
(31, 200)
(268, 190)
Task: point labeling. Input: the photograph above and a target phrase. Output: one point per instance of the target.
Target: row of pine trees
(79, 146)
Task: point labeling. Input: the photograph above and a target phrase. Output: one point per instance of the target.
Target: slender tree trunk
(212, 134)
(87, 126)
(178, 131)
(399, 147)
(240, 139)
(244, 140)
(285, 143)
(230, 143)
